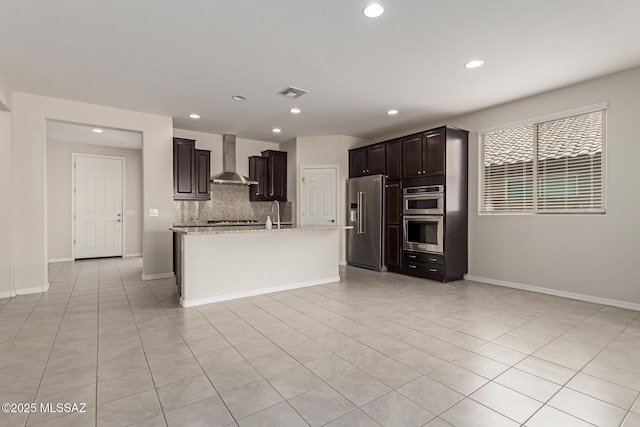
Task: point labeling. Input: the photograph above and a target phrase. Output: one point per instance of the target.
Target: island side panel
(218, 267)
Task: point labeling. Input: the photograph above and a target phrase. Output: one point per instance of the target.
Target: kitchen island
(222, 263)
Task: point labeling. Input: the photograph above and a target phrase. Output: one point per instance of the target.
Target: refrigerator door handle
(358, 213)
(363, 208)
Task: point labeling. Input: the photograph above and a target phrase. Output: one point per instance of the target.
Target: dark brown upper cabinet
(191, 169)
(258, 171)
(368, 160)
(433, 146)
(202, 175)
(423, 154)
(358, 162)
(376, 159)
(394, 160)
(277, 175)
(412, 156)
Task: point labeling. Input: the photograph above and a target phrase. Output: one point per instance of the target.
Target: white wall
(59, 172)
(6, 218)
(595, 255)
(6, 215)
(6, 95)
(30, 113)
(292, 166)
(324, 151)
(213, 142)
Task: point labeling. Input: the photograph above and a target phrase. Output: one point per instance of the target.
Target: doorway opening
(94, 192)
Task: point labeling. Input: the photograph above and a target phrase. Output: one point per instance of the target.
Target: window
(553, 164)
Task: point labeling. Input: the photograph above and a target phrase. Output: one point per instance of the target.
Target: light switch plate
(153, 212)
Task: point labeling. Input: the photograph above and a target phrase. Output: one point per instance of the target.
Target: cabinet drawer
(425, 268)
(421, 258)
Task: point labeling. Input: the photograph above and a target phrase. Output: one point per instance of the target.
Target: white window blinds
(546, 166)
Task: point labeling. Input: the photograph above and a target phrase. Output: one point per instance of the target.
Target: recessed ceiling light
(238, 98)
(475, 63)
(96, 130)
(295, 110)
(194, 116)
(392, 112)
(373, 10)
(277, 130)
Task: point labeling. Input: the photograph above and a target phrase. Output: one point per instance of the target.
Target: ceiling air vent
(293, 92)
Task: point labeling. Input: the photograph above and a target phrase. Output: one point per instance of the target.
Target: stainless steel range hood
(230, 176)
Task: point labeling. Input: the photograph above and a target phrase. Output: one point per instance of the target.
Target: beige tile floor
(374, 349)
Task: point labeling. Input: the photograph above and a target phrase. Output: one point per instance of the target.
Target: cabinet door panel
(393, 162)
(434, 153)
(203, 162)
(393, 245)
(412, 157)
(258, 172)
(357, 162)
(277, 172)
(376, 159)
(183, 167)
(393, 203)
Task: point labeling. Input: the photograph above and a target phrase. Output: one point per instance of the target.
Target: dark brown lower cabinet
(393, 240)
(393, 226)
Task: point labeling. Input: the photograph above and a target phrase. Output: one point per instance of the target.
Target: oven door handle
(423, 196)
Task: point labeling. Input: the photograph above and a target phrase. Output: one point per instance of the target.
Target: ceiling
(175, 58)
(81, 134)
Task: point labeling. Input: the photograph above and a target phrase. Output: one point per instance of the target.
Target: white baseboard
(246, 294)
(132, 255)
(557, 293)
(25, 291)
(158, 276)
(52, 260)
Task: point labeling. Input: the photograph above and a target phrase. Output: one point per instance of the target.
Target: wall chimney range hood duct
(230, 176)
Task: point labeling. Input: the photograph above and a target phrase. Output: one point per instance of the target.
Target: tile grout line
(356, 407)
(629, 412)
(194, 356)
(283, 350)
(580, 371)
(54, 339)
(143, 350)
(512, 366)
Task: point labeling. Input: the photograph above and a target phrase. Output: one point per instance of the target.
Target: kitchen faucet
(278, 209)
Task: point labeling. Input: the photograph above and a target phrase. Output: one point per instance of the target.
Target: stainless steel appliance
(427, 200)
(230, 176)
(365, 242)
(423, 233)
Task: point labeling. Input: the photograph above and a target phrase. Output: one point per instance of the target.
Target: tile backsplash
(228, 202)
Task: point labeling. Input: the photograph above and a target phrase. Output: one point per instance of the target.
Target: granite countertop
(252, 229)
(206, 224)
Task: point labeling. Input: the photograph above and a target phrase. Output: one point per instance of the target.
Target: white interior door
(318, 204)
(98, 206)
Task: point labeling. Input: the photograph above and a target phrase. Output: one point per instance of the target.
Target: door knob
(332, 220)
(119, 214)
(119, 220)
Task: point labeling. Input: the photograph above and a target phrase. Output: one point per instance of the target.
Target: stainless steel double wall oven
(423, 218)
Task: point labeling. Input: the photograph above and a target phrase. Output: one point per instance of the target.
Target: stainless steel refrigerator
(365, 242)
